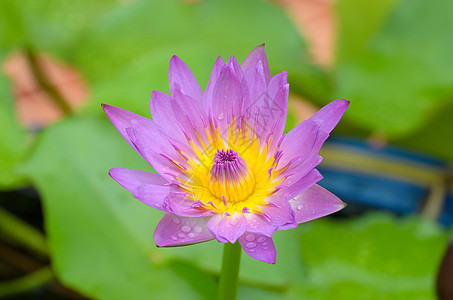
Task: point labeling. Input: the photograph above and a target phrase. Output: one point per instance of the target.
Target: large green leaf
(48, 25)
(377, 257)
(100, 238)
(288, 269)
(13, 140)
(128, 51)
(358, 22)
(404, 71)
(436, 136)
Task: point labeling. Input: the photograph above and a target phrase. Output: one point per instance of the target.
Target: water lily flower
(225, 169)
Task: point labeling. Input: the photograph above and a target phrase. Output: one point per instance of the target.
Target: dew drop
(221, 116)
(186, 229)
(265, 244)
(176, 220)
(250, 237)
(197, 229)
(252, 250)
(173, 237)
(191, 234)
(300, 206)
(181, 235)
(265, 248)
(261, 239)
(250, 245)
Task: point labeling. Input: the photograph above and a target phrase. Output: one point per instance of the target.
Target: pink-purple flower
(225, 169)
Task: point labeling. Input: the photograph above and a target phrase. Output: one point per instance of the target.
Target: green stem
(44, 82)
(229, 275)
(22, 233)
(26, 283)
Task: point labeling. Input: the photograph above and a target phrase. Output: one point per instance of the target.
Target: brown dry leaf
(34, 106)
(316, 21)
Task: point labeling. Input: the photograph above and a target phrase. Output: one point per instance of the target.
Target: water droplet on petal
(186, 229)
(197, 229)
(250, 245)
(173, 237)
(265, 248)
(221, 116)
(176, 220)
(300, 206)
(181, 235)
(191, 234)
(261, 239)
(250, 237)
(252, 250)
(265, 244)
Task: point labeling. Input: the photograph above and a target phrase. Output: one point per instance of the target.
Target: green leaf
(48, 25)
(13, 140)
(278, 277)
(358, 22)
(128, 51)
(435, 136)
(376, 255)
(403, 73)
(100, 238)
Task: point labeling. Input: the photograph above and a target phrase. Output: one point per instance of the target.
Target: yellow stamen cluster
(233, 172)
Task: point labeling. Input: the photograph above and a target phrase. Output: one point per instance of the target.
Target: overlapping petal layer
(226, 171)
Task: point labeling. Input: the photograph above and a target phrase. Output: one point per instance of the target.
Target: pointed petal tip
(343, 102)
(106, 107)
(174, 58)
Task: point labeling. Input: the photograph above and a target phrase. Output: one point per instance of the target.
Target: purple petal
(189, 114)
(121, 119)
(296, 187)
(258, 54)
(180, 73)
(278, 109)
(268, 112)
(181, 205)
(331, 114)
(155, 147)
(277, 82)
(259, 224)
(300, 147)
(174, 230)
(163, 115)
(280, 214)
(259, 247)
(153, 195)
(226, 228)
(209, 91)
(131, 179)
(228, 93)
(315, 202)
(180, 115)
(305, 140)
(257, 86)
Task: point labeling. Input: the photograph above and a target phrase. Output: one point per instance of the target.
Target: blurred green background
(67, 231)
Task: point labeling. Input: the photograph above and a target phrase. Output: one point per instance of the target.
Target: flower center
(231, 180)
